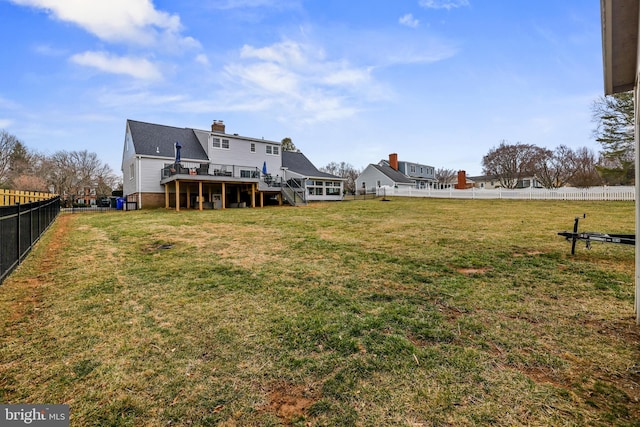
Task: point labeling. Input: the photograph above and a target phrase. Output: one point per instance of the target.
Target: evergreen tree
(615, 132)
(288, 145)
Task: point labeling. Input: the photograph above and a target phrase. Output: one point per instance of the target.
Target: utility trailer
(589, 236)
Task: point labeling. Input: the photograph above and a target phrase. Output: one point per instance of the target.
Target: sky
(439, 82)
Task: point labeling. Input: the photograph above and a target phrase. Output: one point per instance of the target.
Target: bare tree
(71, 172)
(585, 173)
(29, 182)
(510, 163)
(445, 176)
(343, 170)
(555, 169)
(8, 143)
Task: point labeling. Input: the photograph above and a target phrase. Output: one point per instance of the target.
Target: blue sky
(439, 82)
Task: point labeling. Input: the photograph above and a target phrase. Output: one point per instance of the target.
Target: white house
(385, 173)
(183, 167)
(318, 186)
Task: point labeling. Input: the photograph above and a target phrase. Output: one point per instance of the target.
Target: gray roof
(391, 173)
(159, 140)
(298, 162)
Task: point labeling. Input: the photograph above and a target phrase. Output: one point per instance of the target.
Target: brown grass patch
(472, 271)
(290, 402)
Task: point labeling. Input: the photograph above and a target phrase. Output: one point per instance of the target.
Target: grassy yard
(408, 312)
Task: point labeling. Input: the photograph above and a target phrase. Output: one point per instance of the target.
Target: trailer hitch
(588, 237)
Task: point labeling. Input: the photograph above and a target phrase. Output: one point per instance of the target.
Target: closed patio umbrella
(178, 147)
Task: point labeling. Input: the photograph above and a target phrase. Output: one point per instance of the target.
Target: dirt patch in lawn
(289, 402)
(31, 289)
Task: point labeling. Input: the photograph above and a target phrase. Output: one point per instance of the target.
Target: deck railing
(210, 169)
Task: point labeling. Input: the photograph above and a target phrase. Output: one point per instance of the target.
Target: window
(413, 168)
(276, 151)
(131, 171)
(253, 147)
(268, 148)
(218, 143)
(273, 149)
(245, 174)
(333, 191)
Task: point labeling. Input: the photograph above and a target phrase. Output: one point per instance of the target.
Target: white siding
(371, 176)
(151, 174)
(128, 180)
(239, 153)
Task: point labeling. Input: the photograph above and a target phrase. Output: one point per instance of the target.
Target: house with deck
(171, 167)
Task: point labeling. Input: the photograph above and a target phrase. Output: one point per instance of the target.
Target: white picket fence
(565, 193)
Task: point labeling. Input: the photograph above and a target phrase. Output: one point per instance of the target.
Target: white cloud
(130, 21)
(286, 53)
(443, 4)
(264, 76)
(47, 50)
(202, 59)
(299, 80)
(409, 21)
(5, 123)
(243, 4)
(139, 68)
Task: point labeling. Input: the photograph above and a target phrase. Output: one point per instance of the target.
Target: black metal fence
(21, 226)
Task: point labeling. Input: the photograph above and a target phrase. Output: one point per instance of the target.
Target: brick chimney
(217, 126)
(393, 160)
(462, 180)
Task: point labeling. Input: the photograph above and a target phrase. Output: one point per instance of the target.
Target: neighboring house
(81, 196)
(86, 196)
(385, 173)
(424, 176)
(183, 167)
(300, 172)
(490, 182)
(484, 181)
(620, 31)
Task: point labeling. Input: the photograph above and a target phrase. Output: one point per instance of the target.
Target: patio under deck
(196, 191)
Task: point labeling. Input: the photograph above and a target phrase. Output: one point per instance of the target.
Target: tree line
(512, 163)
(615, 165)
(67, 173)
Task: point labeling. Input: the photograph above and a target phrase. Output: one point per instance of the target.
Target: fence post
(18, 233)
(31, 226)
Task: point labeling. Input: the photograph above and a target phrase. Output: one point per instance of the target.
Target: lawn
(407, 312)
